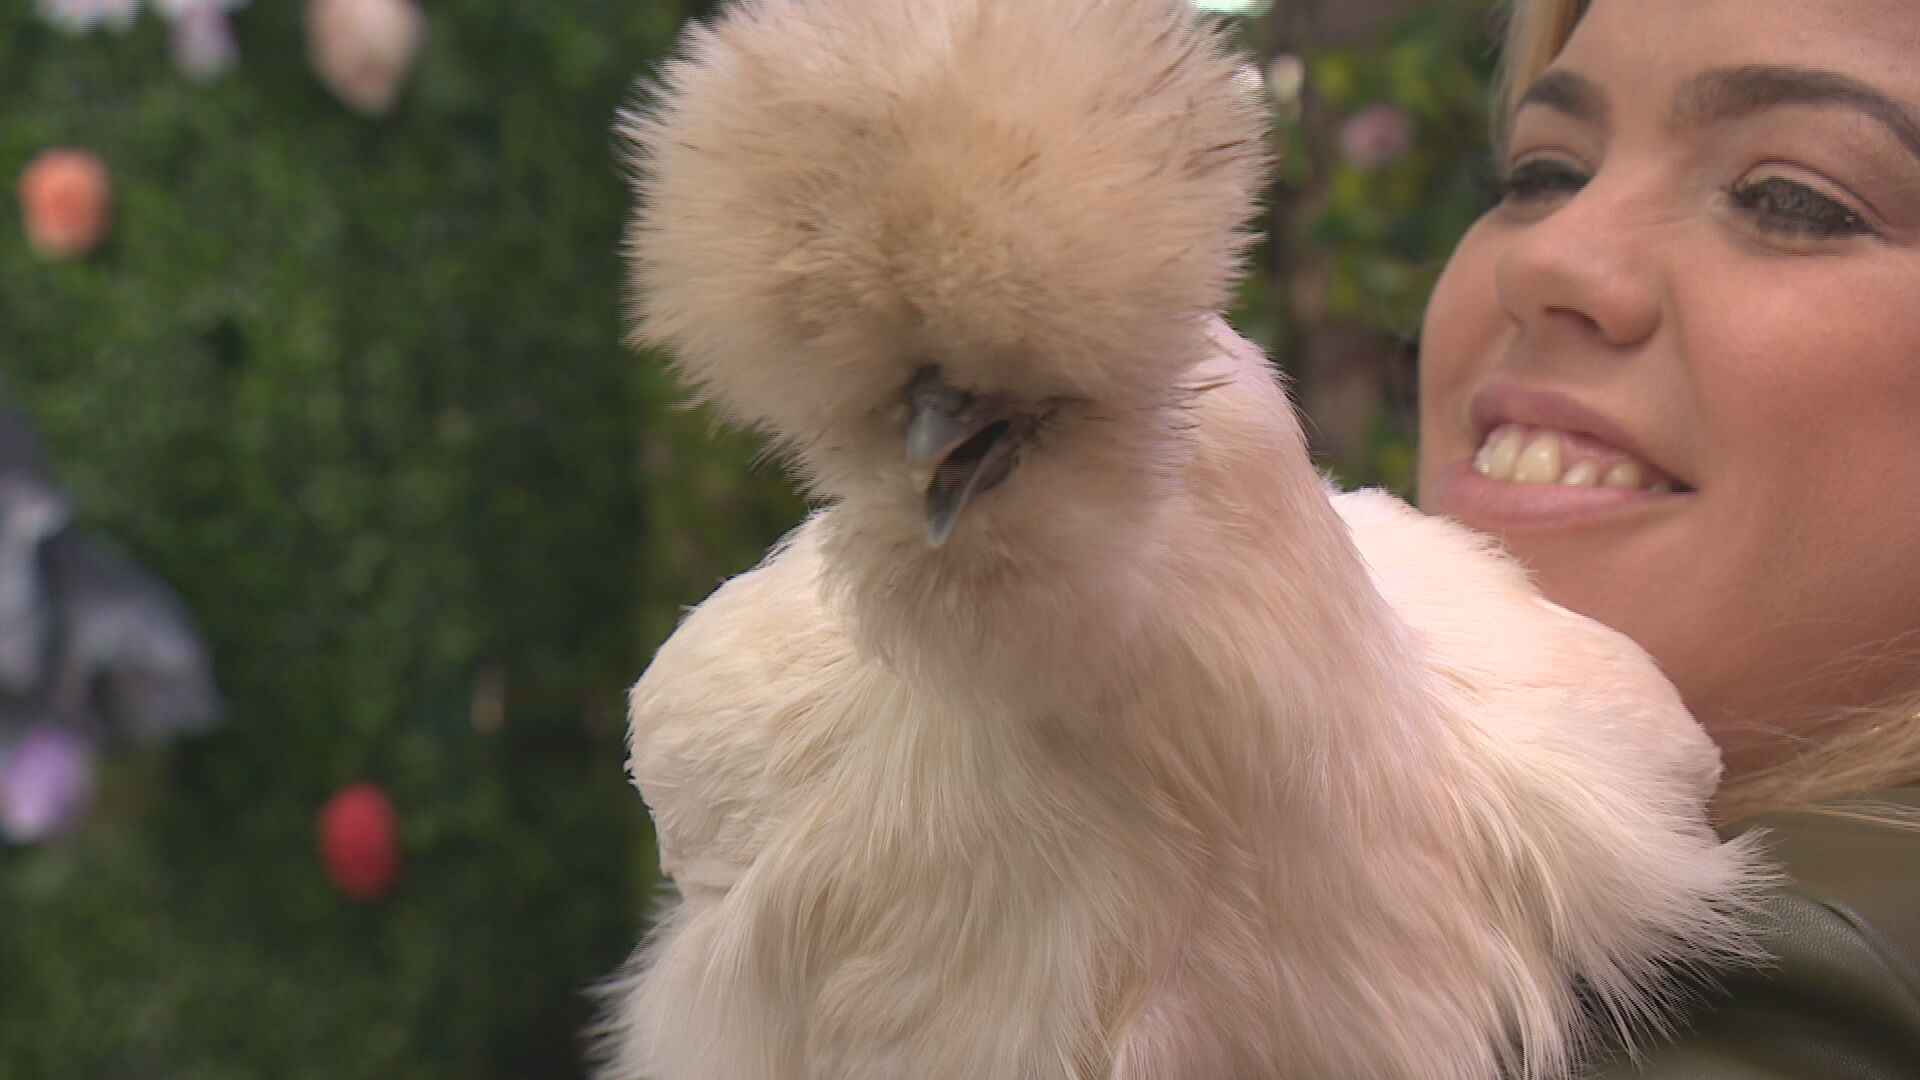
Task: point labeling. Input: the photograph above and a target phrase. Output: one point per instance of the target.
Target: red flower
(359, 841)
(67, 202)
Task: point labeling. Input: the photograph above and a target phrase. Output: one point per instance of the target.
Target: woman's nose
(1587, 267)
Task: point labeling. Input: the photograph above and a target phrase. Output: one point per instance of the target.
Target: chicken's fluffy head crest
(833, 193)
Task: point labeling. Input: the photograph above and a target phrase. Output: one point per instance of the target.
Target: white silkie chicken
(1082, 735)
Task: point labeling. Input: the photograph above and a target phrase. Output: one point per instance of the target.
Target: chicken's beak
(965, 445)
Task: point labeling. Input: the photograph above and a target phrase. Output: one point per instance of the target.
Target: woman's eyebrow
(1726, 93)
(1564, 91)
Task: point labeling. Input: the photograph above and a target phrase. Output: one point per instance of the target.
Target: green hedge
(355, 388)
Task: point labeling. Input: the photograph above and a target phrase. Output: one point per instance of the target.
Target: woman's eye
(1538, 178)
(1787, 207)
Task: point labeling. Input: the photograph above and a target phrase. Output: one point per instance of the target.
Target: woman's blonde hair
(1858, 751)
(1536, 30)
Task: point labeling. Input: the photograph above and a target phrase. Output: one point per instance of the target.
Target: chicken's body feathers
(1391, 848)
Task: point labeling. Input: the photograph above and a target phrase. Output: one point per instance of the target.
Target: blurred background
(335, 519)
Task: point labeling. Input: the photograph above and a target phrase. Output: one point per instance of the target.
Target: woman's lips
(1525, 455)
(1545, 460)
(1583, 430)
(1459, 492)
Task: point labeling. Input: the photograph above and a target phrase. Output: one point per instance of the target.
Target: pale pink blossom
(364, 49)
(1376, 136)
(201, 41)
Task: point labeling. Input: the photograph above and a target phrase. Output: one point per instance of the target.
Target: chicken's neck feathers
(1085, 580)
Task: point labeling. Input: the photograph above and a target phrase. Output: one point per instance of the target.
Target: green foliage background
(355, 388)
(1357, 245)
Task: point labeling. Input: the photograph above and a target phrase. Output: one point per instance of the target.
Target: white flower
(1286, 79)
(81, 16)
(1234, 7)
(178, 9)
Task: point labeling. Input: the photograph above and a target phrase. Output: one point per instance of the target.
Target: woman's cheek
(1463, 320)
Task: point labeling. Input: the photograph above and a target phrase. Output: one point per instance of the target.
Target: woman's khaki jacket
(1842, 999)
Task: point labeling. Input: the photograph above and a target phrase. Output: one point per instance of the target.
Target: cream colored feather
(1162, 764)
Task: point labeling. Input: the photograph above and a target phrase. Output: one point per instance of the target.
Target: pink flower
(201, 41)
(66, 200)
(45, 784)
(1375, 136)
(364, 49)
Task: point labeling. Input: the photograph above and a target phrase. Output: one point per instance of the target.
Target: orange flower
(67, 202)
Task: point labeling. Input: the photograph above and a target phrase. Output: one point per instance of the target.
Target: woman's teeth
(1519, 455)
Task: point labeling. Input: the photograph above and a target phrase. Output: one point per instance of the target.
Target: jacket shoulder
(1840, 999)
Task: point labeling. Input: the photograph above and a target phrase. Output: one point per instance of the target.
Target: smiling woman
(1674, 370)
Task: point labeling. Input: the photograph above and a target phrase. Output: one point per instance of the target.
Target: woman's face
(1678, 368)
